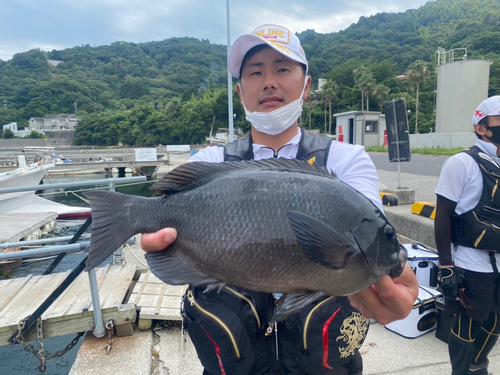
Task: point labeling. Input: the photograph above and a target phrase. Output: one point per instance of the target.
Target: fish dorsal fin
(190, 174)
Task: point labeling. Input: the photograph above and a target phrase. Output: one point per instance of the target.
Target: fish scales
(270, 237)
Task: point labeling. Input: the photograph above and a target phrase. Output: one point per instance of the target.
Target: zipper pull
(190, 297)
(269, 330)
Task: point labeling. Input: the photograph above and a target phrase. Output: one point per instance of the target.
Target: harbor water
(14, 360)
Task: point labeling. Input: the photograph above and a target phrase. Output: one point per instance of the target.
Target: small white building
(60, 122)
(365, 128)
(18, 133)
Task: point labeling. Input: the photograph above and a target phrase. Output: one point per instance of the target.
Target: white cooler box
(423, 316)
(424, 263)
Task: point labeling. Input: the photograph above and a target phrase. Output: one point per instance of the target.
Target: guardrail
(111, 182)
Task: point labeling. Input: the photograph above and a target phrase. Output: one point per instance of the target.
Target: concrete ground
(162, 352)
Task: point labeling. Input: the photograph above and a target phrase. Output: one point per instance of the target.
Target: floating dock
(19, 226)
(72, 312)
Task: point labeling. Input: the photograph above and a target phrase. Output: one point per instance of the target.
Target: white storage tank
(461, 86)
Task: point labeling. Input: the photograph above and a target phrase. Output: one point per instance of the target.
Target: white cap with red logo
(277, 37)
(489, 107)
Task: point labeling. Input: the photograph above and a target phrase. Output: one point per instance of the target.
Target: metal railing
(99, 328)
(111, 182)
(75, 155)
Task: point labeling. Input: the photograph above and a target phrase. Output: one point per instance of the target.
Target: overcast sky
(59, 24)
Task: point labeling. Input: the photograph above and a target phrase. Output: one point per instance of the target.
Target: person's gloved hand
(448, 282)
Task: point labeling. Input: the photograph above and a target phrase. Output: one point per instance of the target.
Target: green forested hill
(403, 38)
(169, 91)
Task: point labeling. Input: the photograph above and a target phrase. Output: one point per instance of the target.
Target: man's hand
(448, 282)
(388, 299)
(153, 242)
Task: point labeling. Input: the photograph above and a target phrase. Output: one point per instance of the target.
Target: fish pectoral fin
(217, 286)
(174, 269)
(322, 244)
(290, 303)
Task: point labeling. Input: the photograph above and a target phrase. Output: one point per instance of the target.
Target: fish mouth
(397, 270)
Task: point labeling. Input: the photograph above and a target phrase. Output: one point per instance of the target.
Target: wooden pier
(15, 227)
(72, 312)
(156, 300)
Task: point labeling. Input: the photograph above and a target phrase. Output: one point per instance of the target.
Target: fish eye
(389, 231)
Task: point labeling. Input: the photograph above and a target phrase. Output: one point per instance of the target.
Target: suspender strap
(313, 148)
(240, 149)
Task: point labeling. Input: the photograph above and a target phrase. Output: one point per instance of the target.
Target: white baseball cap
(489, 107)
(277, 37)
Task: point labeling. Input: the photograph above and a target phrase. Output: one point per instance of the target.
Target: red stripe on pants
(217, 351)
(325, 339)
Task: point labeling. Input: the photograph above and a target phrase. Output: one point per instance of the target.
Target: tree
(417, 73)
(381, 94)
(8, 134)
(368, 85)
(357, 76)
(329, 92)
(35, 135)
(363, 78)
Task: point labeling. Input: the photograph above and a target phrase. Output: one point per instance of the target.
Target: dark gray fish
(276, 225)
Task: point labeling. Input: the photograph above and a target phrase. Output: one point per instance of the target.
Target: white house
(365, 128)
(18, 133)
(60, 122)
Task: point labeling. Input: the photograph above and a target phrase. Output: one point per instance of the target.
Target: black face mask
(495, 136)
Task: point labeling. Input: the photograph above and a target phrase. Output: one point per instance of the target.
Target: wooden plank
(149, 313)
(156, 300)
(141, 284)
(75, 297)
(116, 284)
(149, 288)
(16, 226)
(82, 304)
(121, 315)
(10, 289)
(70, 313)
(30, 298)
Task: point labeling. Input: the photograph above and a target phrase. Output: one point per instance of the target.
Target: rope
(140, 261)
(156, 169)
(82, 198)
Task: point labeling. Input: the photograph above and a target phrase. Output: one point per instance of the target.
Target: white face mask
(279, 120)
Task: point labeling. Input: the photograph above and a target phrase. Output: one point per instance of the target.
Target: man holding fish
(272, 68)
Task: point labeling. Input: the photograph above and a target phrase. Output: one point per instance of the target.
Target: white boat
(221, 136)
(27, 201)
(23, 176)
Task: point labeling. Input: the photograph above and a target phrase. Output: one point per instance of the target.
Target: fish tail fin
(111, 224)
